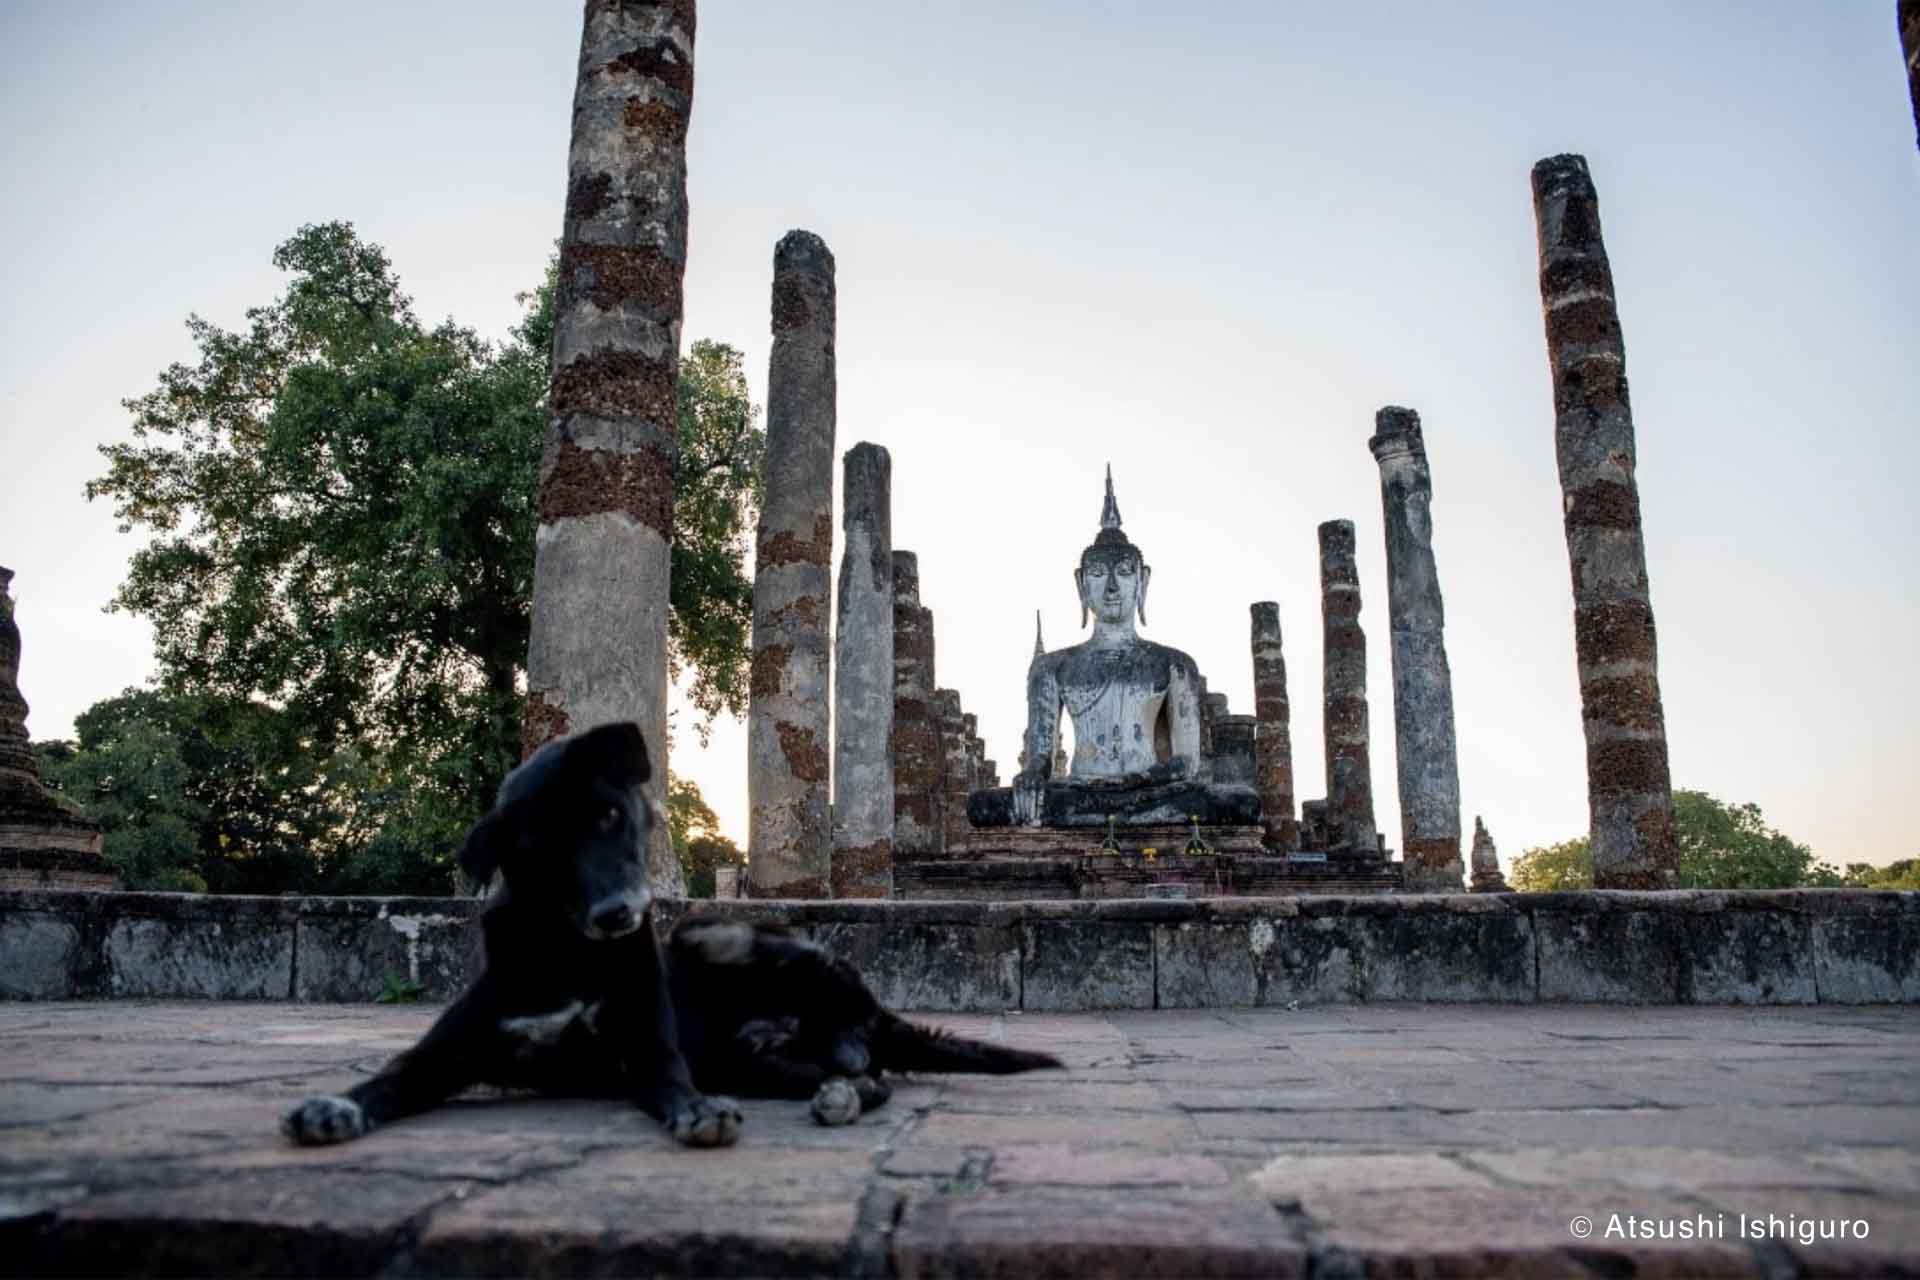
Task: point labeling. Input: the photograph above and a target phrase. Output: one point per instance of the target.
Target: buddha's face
(1111, 587)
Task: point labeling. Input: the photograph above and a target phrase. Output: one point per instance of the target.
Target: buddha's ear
(1080, 585)
(1140, 603)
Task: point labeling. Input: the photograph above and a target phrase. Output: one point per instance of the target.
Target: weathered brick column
(1428, 767)
(863, 683)
(1213, 707)
(956, 771)
(1272, 732)
(598, 645)
(789, 843)
(1908, 16)
(1350, 826)
(916, 737)
(1629, 791)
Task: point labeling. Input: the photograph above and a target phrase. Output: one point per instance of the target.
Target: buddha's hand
(1029, 786)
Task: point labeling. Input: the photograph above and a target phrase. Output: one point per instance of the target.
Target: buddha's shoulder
(1166, 655)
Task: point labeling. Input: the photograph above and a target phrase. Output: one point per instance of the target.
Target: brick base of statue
(1035, 862)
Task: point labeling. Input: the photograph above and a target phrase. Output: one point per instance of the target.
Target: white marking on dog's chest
(547, 1028)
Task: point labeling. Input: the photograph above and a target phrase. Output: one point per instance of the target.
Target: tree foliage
(1554, 867)
(342, 508)
(695, 830)
(1721, 846)
(201, 793)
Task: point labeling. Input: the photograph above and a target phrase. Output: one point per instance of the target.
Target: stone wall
(1804, 946)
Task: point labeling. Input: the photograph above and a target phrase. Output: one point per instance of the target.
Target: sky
(1203, 244)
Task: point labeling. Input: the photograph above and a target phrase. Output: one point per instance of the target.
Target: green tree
(342, 503)
(134, 784)
(1554, 867)
(1904, 874)
(703, 858)
(199, 793)
(1725, 846)
(341, 499)
(695, 831)
(717, 494)
(1721, 846)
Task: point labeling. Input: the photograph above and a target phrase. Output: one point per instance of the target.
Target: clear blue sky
(1201, 243)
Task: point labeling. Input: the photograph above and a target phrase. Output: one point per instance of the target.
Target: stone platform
(1801, 946)
(1402, 1140)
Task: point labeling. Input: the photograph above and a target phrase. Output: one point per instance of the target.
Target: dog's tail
(899, 1045)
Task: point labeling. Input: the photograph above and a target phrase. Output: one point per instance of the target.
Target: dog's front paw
(318, 1121)
(712, 1121)
(836, 1102)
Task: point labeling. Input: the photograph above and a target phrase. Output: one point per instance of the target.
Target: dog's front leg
(646, 1034)
(448, 1059)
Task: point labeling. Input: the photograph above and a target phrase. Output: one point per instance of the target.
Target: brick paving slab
(139, 1138)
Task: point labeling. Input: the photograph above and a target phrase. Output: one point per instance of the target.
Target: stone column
(597, 650)
(1423, 741)
(1233, 748)
(789, 842)
(863, 681)
(1629, 791)
(1213, 708)
(916, 739)
(1272, 733)
(1350, 826)
(1908, 16)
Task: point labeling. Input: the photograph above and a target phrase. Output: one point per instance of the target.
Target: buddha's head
(1112, 577)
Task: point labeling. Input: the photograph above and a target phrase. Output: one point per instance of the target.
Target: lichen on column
(1423, 734)
(598, 646)
(863, 688)
(1629, 787)
(789, 842)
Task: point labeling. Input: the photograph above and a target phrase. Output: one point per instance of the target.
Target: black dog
(578, 999)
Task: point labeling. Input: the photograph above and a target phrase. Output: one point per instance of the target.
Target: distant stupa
(43, 844)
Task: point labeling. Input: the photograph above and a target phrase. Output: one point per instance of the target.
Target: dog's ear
(485, 847)
(615, 752)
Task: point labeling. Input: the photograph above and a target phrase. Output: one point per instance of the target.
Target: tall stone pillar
(916, 736)
(863, 683)
(789, 843)
(1629, 790)
(1423, 741)
(1908, 17)
(1350, 827)
(597, 651)
(1272, 732)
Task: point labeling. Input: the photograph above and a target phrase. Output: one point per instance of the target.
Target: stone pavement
(1327, 1141)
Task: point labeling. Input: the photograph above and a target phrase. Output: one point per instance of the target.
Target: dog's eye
(610, 818)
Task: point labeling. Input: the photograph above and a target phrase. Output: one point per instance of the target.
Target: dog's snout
(615, 920)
